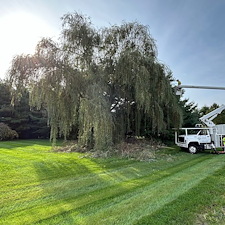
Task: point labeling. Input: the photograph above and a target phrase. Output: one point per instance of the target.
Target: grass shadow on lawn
(77, 185)
(67, 188)
(87, 193)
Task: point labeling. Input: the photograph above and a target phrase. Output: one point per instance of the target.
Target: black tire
(193, 149)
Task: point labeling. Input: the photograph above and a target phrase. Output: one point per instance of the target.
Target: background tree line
(27, 122)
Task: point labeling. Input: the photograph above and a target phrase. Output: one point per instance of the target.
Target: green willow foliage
(105, 82)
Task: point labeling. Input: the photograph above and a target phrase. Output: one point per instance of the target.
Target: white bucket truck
(204, 136)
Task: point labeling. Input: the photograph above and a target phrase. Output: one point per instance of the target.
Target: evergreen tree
(190, 113)
(28, 123)
(6, 110)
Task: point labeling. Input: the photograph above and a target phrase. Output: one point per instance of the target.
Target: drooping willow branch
(103, 82)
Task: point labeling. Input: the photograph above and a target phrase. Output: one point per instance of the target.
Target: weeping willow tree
(104, 82)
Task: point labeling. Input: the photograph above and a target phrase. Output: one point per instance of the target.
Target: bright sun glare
(20, 33)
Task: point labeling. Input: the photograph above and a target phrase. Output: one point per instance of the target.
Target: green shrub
(6, 133)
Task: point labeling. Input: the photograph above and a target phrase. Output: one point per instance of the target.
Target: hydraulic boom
(179, 88)
(208, 118)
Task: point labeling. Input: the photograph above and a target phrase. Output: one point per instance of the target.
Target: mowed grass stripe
(52, 166)
(113, 176)
(109, 192)
(71, 188)
(51, 162)
(65, 188)
(47, 169)
(132, 206)
(206, 197)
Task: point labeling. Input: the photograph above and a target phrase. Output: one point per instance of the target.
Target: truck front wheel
(192, 148)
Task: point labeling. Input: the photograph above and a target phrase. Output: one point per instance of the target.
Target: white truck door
(204, 136)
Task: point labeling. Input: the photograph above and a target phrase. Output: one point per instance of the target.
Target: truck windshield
(197, 132)
(193, 131)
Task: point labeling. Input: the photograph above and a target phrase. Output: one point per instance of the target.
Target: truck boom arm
(207, 119)
(178, 88)
(201, 87)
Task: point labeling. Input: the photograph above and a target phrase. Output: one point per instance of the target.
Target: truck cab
(193, 139)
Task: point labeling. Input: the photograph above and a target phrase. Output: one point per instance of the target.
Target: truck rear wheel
(192, 148)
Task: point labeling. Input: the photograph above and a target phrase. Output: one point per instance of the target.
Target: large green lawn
(38, 186)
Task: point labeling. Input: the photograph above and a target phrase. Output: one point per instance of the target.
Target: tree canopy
(104, 82)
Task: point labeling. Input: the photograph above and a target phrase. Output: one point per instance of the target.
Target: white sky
(190, 34)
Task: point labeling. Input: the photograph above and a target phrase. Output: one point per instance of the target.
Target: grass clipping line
(137, 149)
